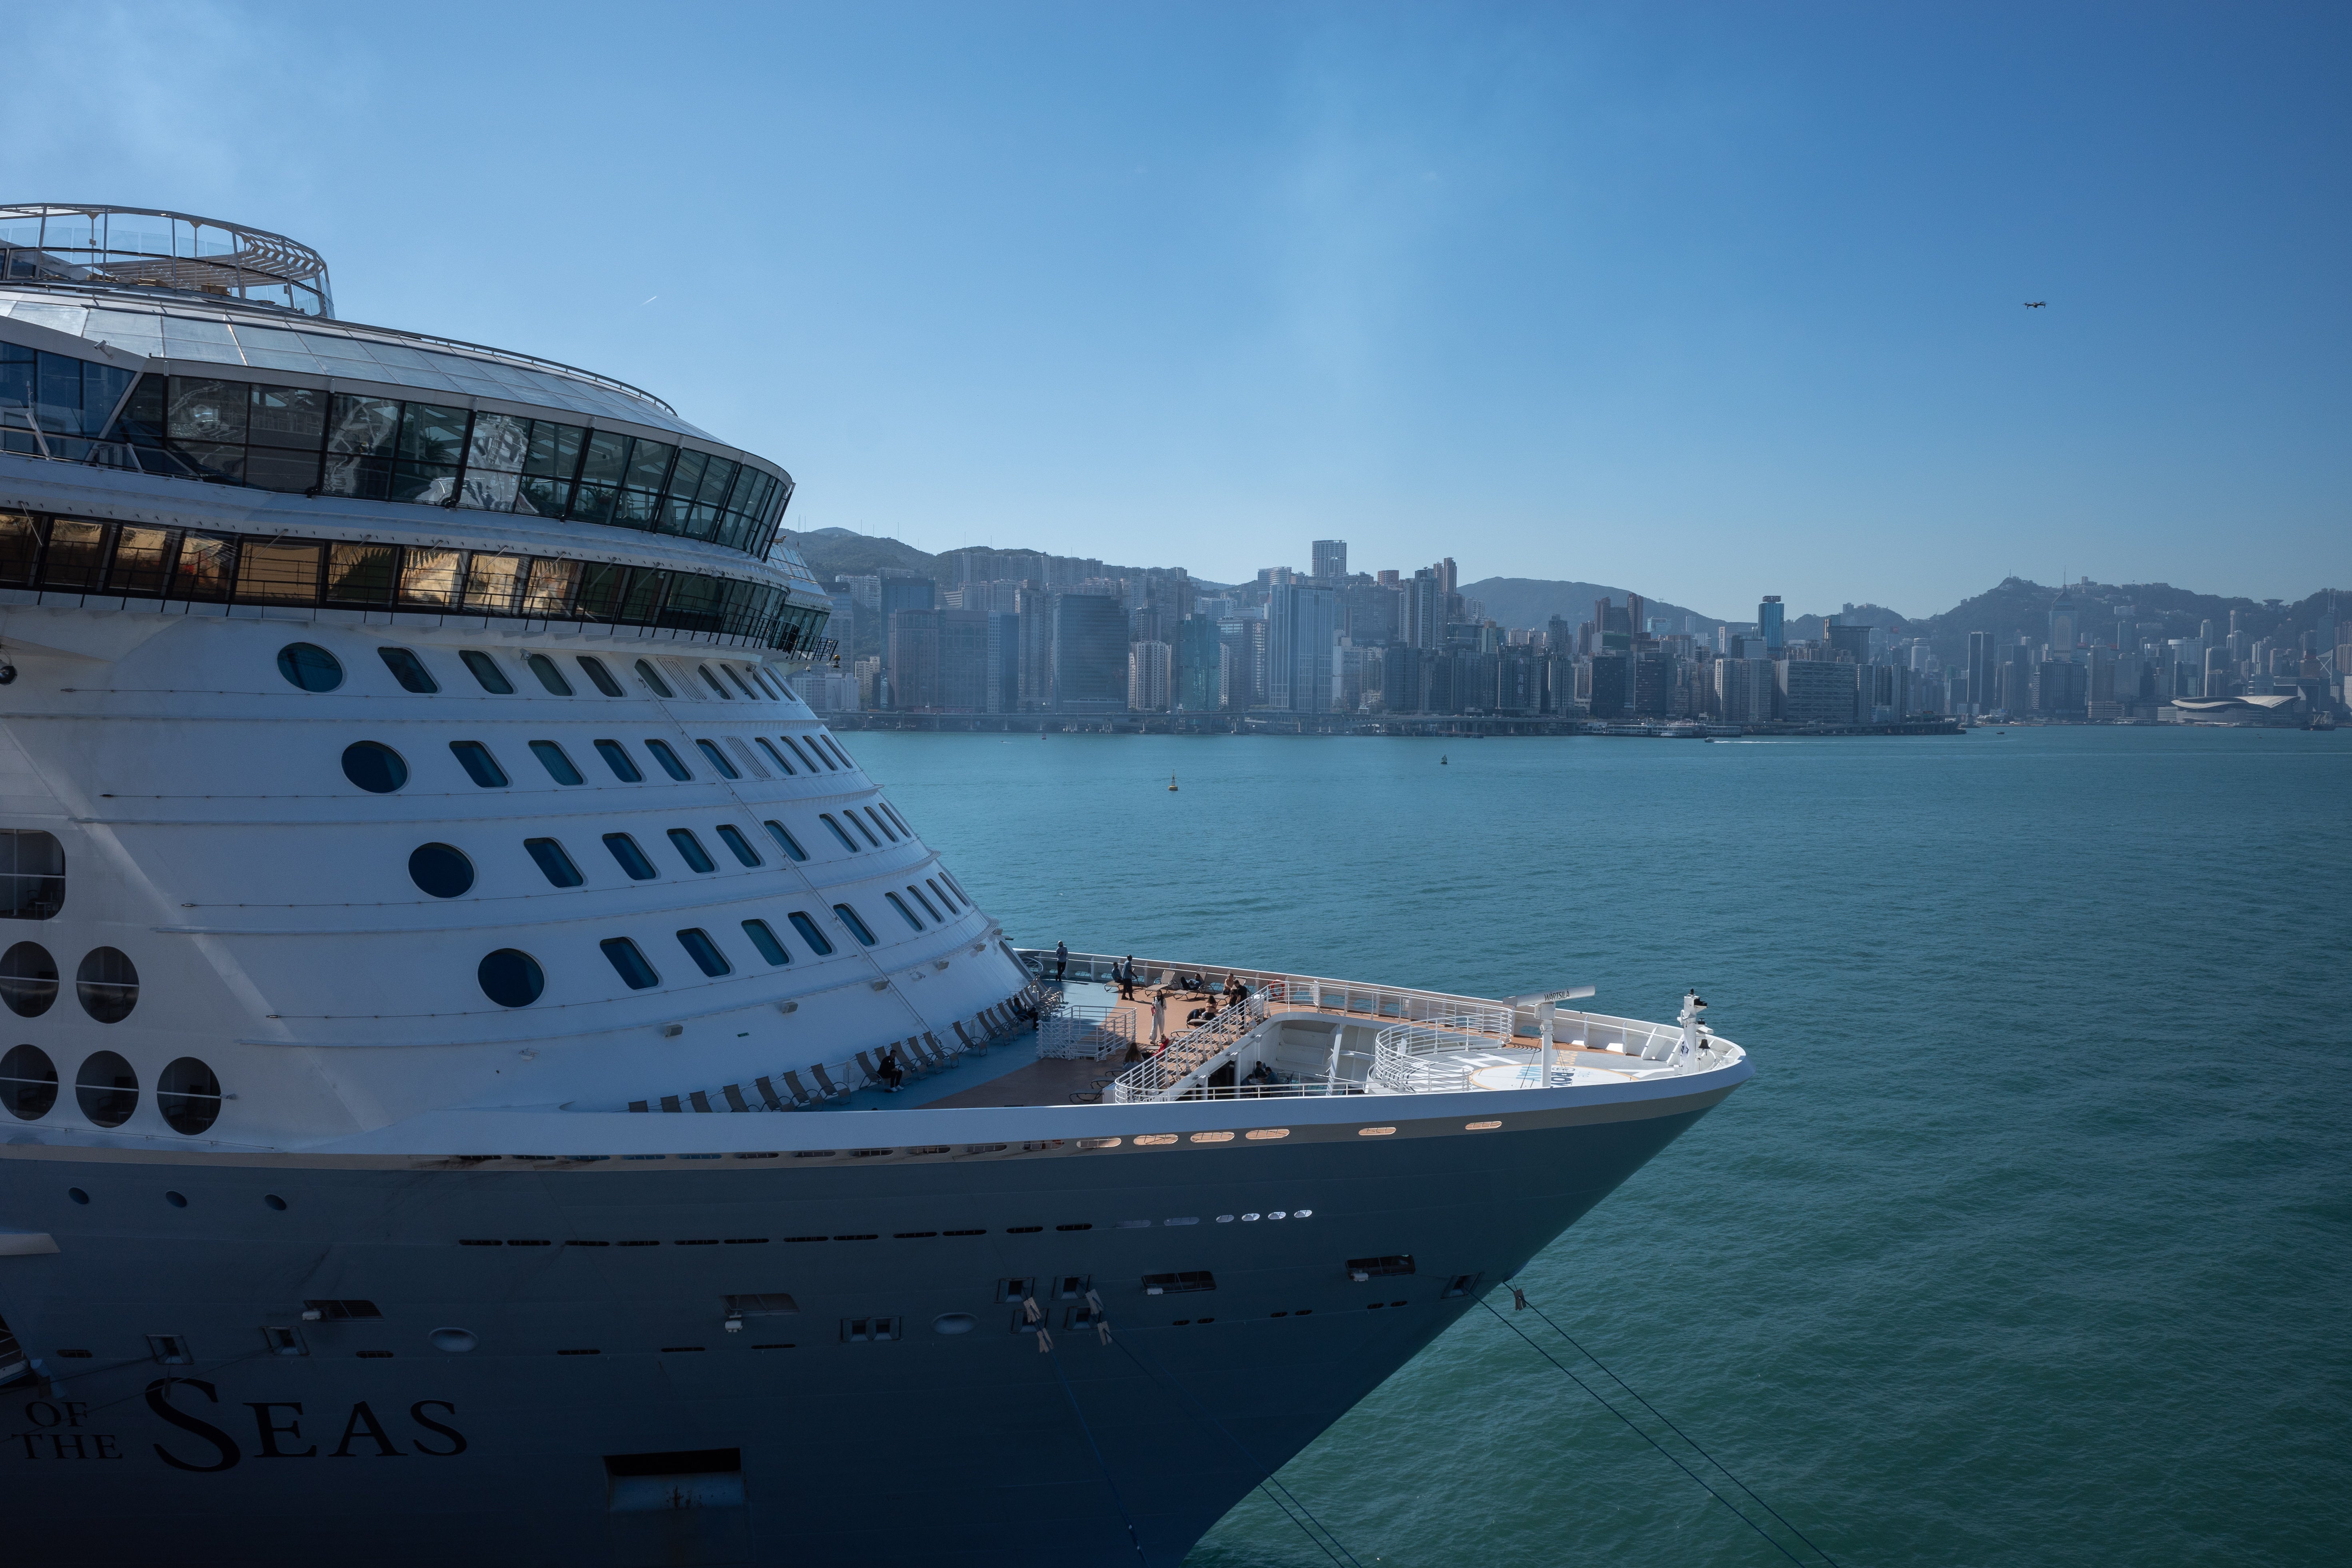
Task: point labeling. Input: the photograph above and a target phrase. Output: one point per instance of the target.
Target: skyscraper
(1298, 632)
(1330, 561)
(1197, 650)
(1089, 654)
(1979, 696)
(1769, 619)
(1148, 669)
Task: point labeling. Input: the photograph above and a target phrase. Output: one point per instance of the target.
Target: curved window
(803, 756)
(28, 979)
(937, 893)
(309, 667)
(718, 759)
(765, 940)
(377, 769)
(106, 983)
(705, 953)
(834, 746)
(552, 860)
(925, 903)
(479, 765)
(652, 676)
(409, 670)
(846, 841)
(691, 850)
(956, 887)
(859, 823)
(668, 760)
(189, 1097)
(712, 681)
(776, 757)
(790, 845)
(32, 874)
(905, 913)
(856, 927)
(617, 757)
(597, 674)
(883, 822)
(629, 962)
(540, 665)
(28, 1082)
(732, 837)
(737, 677)
(830, 765)
(511, 977)
(809, 934)
(632, 859)
(894, 817)
(487, 671)
(441, 870)
(106, 1089)
(559, 766)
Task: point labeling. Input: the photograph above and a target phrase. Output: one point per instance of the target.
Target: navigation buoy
(1441, 759)
(1172, 784)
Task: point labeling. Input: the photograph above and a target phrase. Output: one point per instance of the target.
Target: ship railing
(1078, 1031)
(1421, 1058)
(1189, 1056)
(1384, 1004)
(1304, 1089)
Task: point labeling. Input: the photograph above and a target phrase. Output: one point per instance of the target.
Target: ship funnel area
(138, 248)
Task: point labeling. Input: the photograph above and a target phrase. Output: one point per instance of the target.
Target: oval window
(28, 1082)
(441, 870)
(309, 667)
(108, 984)
(511, 978)
(377, 769)
(28, 979)
(107, 1089)
(652, 676)
(189, 1096)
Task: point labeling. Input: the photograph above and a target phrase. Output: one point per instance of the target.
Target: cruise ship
(493, 1080)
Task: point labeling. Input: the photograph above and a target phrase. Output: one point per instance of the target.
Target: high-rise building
(1769, 620)
(1423, 621)
(1001, 678)
(1978, 693)
(1744, 690)
(1370, 614)
(1148, 668)
(1244, 642)
(1197, 650)
(1089, 654)
(1816, 690)
(1299, 635)
(1330, 561)
(1849, 643)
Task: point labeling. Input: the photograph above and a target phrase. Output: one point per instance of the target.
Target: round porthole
(189, 1096)
(309, 667)
(28, 979)
(177, 1200)
(441, 870)
(457, 1342)
(28, 1082)
(78, 1194)
(511, 978)
(107, 1089)
(953, 1323)
(275, 1202)
(106, 983)
(377, 769)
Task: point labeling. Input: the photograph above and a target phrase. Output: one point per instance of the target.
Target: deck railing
(1074, 1031)
(1188, 1053)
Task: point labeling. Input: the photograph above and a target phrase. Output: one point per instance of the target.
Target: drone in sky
(2037, 304)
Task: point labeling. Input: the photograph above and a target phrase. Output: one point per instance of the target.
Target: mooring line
(1653, 1442)
(1046, 1343)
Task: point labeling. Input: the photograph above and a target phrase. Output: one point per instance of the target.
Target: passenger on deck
(892, 1073)
(1235, 992)
(1061, 961)
(1159, 1019)
(1259, 1074)
(1126, 972)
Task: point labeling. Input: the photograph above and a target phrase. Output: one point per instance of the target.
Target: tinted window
(882, 822)
(899, 904)
(32, 874)
(690, 850)
(441, 870)
(630, 963)
(718, 759)
(409, 670)
(791, 845)
(189, 1096)
(487, 671)
(859, 823)
(107, 984)
(309, 667)
(667, 759)
(838, 832)
(732, 837)
(548, 676)
(765, 940)
(736, 676)
(856, 927)
(598, 674)
(896, 819)
(835, 747)
(555, 862)
(777, 757)
(28, 979)
(28, 1080)
(712, 681)
(106, 1089)
(479, 765)
(803, 755)
(510, 977)
(652, 676)
(809, 934)
(632, 859)
(617, 757)
(939, 894)
(704, 951)
(925, 903)
(374, 768)
(954, 886)
(559, 766)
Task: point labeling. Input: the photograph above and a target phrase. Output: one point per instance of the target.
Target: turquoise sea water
(2030, 1243)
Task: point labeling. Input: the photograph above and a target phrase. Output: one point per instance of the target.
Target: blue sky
(1705, 301)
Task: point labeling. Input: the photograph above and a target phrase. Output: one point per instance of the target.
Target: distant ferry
(455, 978)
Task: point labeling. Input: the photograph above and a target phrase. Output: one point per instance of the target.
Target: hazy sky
(1705, 301)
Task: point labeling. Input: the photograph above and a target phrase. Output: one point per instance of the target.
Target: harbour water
(2032, 1243)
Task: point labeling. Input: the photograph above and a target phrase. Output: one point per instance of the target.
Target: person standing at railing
(1061, 961)
(1124, 971)
(1159, 1020)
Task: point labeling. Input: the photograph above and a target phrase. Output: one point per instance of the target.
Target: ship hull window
(617, 757)
(441, 870)
(28, 979)
(28, 1082)
(764, 938)
(510, 977)
(652, 676)
(559, 766)
(905, 913)
(857, 927)
(718, 759)
(669, 760)
(791, 845)
(487, 671)
(629, 963)
(925, 903)
(712, 681)
(705, 953)
(600, 677)
(548, 676)
(309, 667)
(846, 841)
(107, 984)
(106, 1089)
(809, 934)
(777, 757)
(409, 670)
(691, 850)
(479, 765)
(939, 892)
(377, 768)
(552, 860)
(32, 874)
(189, 1097)
(632, 859)
(732, 837)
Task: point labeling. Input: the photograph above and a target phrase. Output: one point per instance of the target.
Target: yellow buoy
(1172, 784)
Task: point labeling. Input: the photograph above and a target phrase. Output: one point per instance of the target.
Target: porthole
(108, 984)
(28, 979)
(652, 676)
(276, 1202)
(376, 768)
(28, 1082)
(309, 667)
(540, 665)
(106, 1089)
(629, 962)
(409, 670)
(511, 978)
(487, 672)
(597, 673)
(441, 870)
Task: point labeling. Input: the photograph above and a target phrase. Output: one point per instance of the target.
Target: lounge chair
(767, 1093)
(801, 1096)
(832, 1090)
